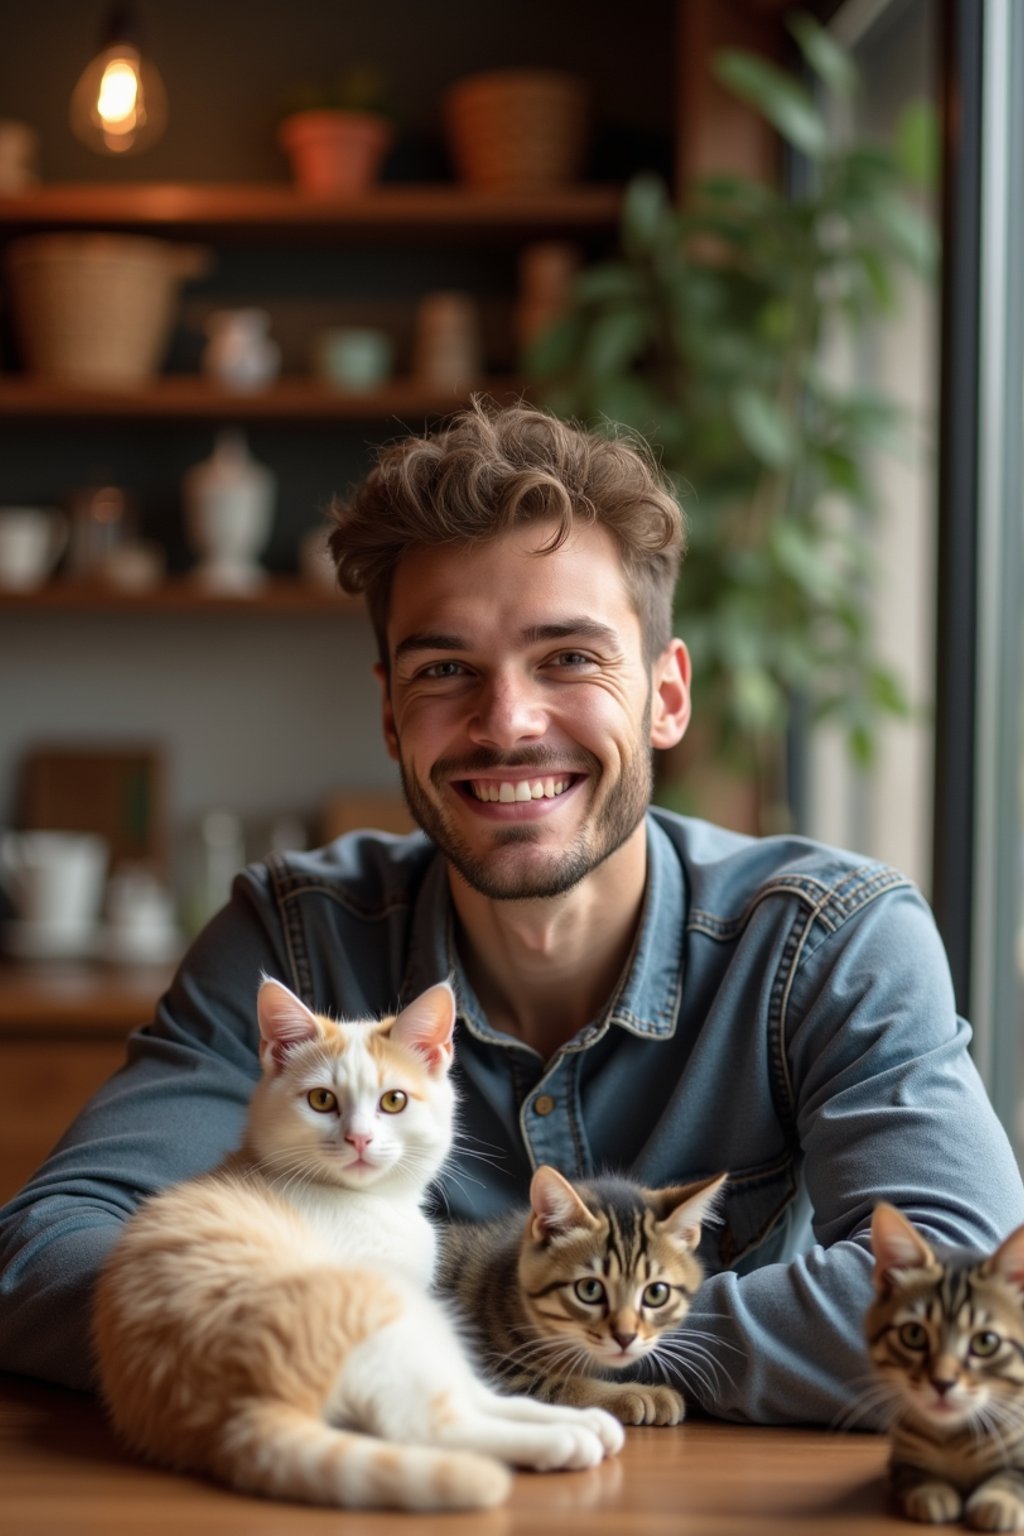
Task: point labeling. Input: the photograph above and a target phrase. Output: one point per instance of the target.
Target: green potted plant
(707, 334)
(337, 134)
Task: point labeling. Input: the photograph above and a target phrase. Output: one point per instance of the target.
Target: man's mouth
(519, 791)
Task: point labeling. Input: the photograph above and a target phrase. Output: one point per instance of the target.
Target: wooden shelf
(285, 596)
(186, 397)
(73, 997)
(434, 211)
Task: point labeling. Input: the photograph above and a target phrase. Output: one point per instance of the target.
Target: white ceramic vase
(229, 511)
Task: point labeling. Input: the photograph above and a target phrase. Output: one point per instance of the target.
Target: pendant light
(119, 106)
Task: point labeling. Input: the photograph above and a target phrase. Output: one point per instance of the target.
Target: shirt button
(543, 1104)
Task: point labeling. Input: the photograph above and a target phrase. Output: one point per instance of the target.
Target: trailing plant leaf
(784, 102)
(831, 63)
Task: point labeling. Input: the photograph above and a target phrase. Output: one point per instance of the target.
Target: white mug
(54, 879)
(32, 540)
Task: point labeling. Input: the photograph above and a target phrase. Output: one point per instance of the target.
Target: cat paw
(932, 1503)
(995, 1509)
(607, 1429)
(569, 1448)
(648, 1405)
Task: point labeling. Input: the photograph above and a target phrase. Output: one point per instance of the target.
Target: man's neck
(543, 969)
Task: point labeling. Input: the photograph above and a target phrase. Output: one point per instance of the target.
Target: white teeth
(518, 793)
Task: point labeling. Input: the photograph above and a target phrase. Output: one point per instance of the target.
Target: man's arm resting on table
(888, 1107)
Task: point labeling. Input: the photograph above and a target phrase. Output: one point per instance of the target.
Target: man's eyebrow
(564, 629)
(429, 640)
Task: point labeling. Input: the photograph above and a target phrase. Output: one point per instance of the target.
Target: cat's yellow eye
(322, 1100)
(656, 1294)
(394, 1101)
(985, 1343)
(590, 1291)
(913, 1336)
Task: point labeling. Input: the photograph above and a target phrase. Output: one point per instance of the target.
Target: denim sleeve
(176, 1106)
(888, 1106)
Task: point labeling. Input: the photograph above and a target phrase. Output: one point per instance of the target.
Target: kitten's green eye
(985, 1343)
(394, 1101)
(590, 1291)
(656, 1294)
(913, 1336)
(322, 1100)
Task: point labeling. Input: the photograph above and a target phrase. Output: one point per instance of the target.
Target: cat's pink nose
(623, 1340)
(943, 1384)
(359, 1141)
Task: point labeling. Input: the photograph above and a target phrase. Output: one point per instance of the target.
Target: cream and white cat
(269, 1323)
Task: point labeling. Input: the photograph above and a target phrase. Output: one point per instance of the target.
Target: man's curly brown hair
(490, 469)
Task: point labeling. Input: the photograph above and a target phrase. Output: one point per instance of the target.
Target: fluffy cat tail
(283, 1452)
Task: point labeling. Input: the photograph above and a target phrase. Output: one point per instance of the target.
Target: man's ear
(387, 714)
(670, 695)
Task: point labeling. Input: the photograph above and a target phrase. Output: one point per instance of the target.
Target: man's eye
(439, 670)
(570, 660)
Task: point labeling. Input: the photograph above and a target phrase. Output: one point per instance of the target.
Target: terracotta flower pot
(336, 154)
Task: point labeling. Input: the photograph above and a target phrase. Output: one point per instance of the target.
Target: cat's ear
(897, 1244)
(284, 1021)
(1008, 1260)
(557, 1208)
(686, 1207)
(426, 1027)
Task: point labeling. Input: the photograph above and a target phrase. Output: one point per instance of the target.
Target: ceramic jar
(240, 352)
(229, 509)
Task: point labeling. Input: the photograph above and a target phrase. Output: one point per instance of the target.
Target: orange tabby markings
(271, 1322)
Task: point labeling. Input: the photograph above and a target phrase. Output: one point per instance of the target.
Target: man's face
(520, 709)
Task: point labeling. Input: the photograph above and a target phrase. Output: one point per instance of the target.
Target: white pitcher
(54, 879)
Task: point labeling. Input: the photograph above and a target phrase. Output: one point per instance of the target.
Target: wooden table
(61, 1474)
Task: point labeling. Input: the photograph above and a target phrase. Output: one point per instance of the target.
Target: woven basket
(514, 130)
(97, 309)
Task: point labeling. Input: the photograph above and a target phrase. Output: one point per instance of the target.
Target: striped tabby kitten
(270, 1323)
(947, 1341)
(564, 1298)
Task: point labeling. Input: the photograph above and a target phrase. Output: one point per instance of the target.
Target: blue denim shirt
(786, 1016)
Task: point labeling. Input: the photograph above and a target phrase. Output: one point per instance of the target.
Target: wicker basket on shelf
(97, 309)
(513, 130)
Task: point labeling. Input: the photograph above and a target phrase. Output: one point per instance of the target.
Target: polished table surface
(62, 1474)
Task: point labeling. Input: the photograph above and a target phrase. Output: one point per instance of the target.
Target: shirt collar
(647, 999)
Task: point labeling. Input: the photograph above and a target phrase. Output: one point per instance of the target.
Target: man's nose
(508, 709)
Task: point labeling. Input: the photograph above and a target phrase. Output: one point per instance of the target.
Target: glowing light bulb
(119, 106)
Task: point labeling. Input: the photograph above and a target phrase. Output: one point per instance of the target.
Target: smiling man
(639, 993)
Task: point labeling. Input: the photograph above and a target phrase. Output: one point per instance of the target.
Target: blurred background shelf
(188, 398)
(62, 1033)
(77, 998)
(285, 596)
(421, 211)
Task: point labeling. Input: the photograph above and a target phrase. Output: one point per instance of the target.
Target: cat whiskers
(995, 1413)
(686, 1354)
(293, 1165)
(541, 1352)
(874, 1397)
